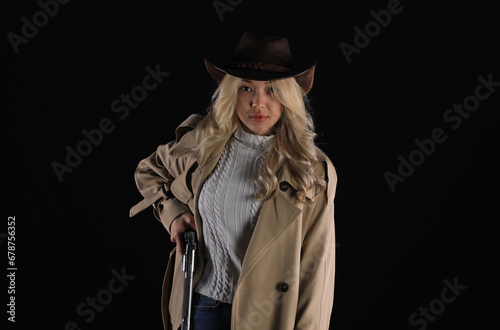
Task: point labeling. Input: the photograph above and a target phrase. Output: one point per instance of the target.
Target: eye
(246, 89)
(271, 90)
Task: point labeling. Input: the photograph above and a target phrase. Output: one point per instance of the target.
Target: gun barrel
(188, 264)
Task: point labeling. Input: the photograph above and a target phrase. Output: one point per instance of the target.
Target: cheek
(276, 109)
(240, 109)
(243, 99)
(239, 104)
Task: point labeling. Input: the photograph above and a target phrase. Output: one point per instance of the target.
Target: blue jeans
(210, 314)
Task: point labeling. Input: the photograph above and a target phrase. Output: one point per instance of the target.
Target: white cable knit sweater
(229, 213)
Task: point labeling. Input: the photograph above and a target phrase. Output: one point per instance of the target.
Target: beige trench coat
(287, 276)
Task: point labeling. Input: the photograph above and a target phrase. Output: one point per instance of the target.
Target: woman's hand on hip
(180, 224)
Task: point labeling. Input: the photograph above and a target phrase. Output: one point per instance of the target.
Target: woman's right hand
(180, 224)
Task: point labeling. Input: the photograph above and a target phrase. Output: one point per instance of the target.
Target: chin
(261, 131)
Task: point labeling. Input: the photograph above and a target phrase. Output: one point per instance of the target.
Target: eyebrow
(248, 81)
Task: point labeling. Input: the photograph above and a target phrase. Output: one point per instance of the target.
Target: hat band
(259, 66)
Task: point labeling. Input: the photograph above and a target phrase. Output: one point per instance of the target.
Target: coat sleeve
(155, 174)
(317, 265)
(153, 178)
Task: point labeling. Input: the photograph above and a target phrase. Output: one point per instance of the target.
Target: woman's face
(257, 107)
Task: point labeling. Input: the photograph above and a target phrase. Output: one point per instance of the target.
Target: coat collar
(186, 144)
(287, 177)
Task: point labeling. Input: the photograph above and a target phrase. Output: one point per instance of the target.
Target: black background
(395, 250)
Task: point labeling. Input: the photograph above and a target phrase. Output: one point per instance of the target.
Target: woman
(250, 181)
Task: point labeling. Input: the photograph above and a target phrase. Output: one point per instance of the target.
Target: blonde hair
(292, 146)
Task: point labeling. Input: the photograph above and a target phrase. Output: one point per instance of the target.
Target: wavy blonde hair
(292, 146)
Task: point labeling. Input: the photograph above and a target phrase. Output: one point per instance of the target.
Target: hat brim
(305, 78)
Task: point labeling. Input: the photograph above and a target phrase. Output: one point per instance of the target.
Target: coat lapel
(196, 177)
(277, 215)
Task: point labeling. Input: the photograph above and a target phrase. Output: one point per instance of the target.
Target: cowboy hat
(262, 58)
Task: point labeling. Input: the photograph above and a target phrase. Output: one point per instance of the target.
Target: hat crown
(267, 52)
(263, 58)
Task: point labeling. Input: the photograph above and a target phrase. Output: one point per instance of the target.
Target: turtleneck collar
(249, 140)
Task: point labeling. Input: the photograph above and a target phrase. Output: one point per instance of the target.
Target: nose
(259, 100)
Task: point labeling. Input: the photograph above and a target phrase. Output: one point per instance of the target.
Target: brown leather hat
(262, 58)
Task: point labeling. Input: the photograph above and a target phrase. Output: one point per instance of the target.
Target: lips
(258, 117)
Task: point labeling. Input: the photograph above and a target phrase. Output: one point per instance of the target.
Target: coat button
(283, 287)
(284, 186)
